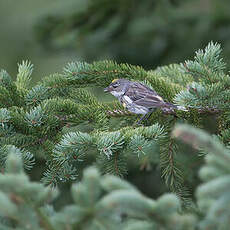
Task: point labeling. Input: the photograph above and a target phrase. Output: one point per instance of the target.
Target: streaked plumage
(137, 97)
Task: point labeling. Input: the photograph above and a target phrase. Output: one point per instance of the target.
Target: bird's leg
(149, 114)
(145, 116)
(142, 118)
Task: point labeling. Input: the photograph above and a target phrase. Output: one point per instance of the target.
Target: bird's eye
(115, 85)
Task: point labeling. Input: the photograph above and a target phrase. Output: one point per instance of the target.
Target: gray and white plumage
(137, 97)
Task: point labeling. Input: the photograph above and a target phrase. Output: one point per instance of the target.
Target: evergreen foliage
(109, 202)
(213, 194)
(50, 118)
(169, 172)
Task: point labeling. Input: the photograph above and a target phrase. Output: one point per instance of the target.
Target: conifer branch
(41, 118)
(112, 201)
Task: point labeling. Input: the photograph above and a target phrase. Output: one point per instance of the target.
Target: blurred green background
(150, 33)
(18, 38)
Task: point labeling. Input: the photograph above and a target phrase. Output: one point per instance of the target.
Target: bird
(138, 98)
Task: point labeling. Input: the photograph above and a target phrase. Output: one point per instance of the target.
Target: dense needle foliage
(60, 121)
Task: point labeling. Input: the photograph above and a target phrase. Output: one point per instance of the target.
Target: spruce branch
(4, 116)
(10, 88)
(22, 197)
(115, 165)
(198, 138)
(25, 70)
(35, 117)
(27, 157)
(171, 170)
(174, 74)
(206, 63)
(47, 118)
(213, 194)
(36, 95)
(209, 91)
(109, 142)
(106, 201)
(5, 98)
(110, 149)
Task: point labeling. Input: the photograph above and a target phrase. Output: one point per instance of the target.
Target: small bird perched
(138, 98)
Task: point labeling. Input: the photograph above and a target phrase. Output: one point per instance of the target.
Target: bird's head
(117, 87)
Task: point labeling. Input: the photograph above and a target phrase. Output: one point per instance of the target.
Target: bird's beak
(106, 89)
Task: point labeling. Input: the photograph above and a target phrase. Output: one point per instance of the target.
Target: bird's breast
(127, 99)
(132, 107)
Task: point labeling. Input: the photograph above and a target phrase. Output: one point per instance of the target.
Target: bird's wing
(150, 101)
(144, 96)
